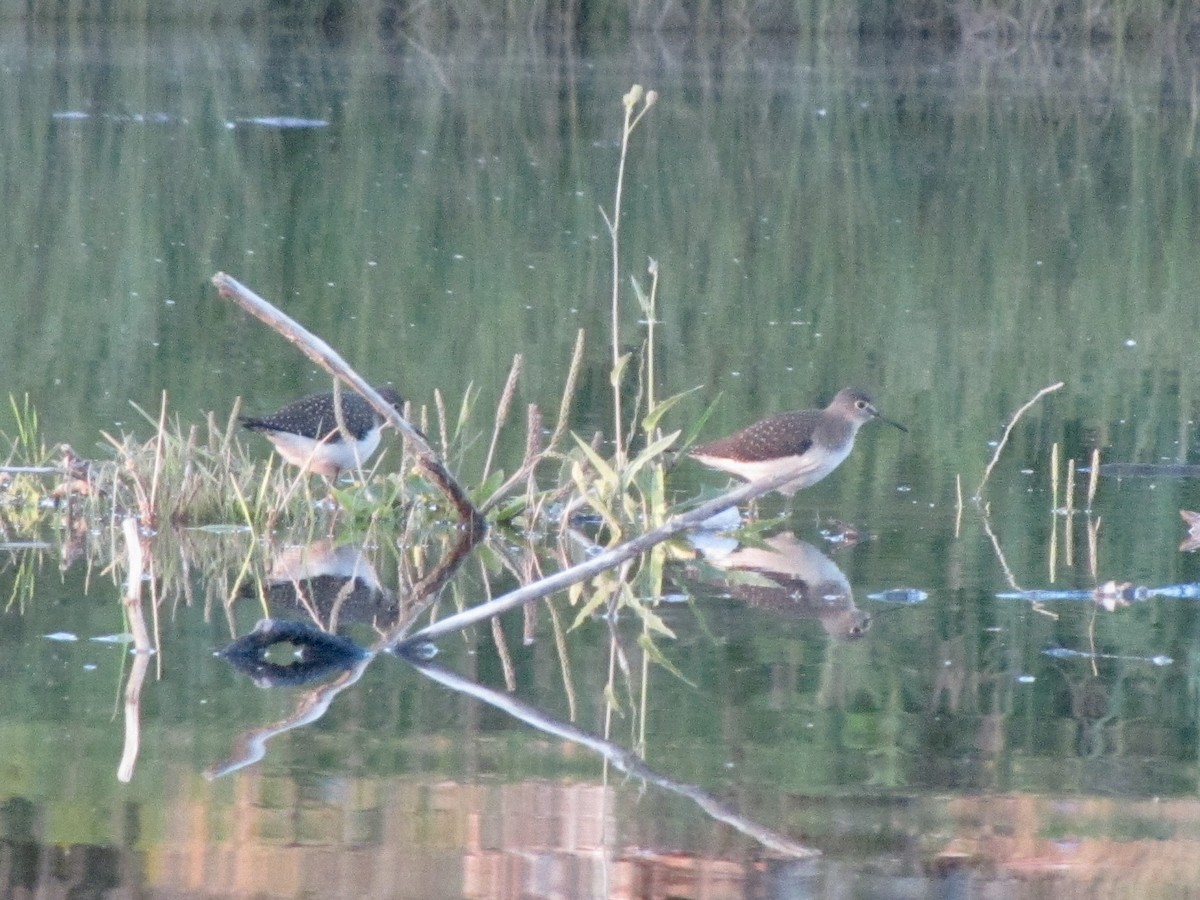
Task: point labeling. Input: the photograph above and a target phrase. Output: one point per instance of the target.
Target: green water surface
(952, 229)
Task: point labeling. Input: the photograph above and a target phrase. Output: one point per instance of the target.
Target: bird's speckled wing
(312, 417)
(787, 434)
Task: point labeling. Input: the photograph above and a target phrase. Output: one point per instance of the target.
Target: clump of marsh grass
(193, 486)
(26, 498)
(185, 474)
(191, 475)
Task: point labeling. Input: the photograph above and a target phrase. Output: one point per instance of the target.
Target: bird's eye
(861, 404)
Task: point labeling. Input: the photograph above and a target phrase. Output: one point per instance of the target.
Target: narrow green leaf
(650, 453)
(485, 490)
(598, 599)
(652, 418)
(464, 411)
(651, 649)
(599, 463)
(618, 370)
(643, 298)
(649, 617)
(699, 423)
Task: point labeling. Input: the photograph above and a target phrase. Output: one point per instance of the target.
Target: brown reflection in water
(401, 838)
(398, 837)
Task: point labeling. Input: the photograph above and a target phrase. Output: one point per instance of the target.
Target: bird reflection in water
(333, 585)
(789, 576)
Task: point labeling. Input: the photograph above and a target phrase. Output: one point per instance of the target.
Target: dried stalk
(987, 473)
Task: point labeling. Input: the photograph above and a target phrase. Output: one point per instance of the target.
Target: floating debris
(123, 638)
(419, 651)
(843, 534)
(1147, 470)
(219, 528)
(62, 636)
(79, 115)
(1110, 594)
(900, 595)
(1178, 591)
(1067, 653)
(280, 122)
(1192, 520)
(1041, 596)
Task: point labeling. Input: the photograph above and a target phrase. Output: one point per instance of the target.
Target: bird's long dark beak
(885, 419)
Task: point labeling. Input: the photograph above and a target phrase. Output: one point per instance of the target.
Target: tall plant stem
(633, 116)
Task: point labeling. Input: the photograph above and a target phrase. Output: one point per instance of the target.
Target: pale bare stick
(141, 644)
(1093, 478)
(958, 505)
(1008, 430)
(331, 361)
(590, 567)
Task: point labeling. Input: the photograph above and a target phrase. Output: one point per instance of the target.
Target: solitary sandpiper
(810, 442)
(307, 434)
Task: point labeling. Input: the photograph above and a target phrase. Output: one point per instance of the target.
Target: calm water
(953, 230)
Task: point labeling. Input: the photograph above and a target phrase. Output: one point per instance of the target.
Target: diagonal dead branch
(332, 362)
(543, 587)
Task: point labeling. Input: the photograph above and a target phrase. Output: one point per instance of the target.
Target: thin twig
(1008, 430)
(1069, 500)
(533, 455)
(651, 318)
(999, 551)
(159, 438)
(1054, 477)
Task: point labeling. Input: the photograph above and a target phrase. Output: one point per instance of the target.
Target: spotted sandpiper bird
(809, 442)
(307, 434)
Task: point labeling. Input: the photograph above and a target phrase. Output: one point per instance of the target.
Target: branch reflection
(625, 760)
